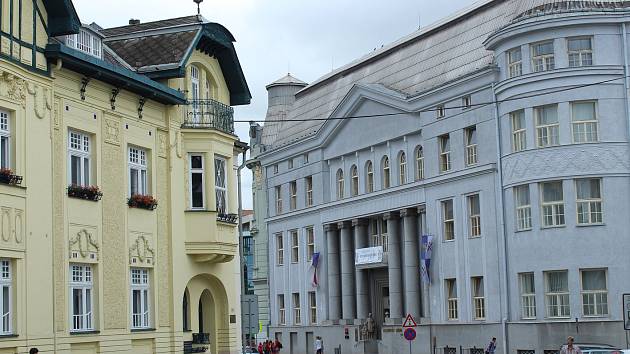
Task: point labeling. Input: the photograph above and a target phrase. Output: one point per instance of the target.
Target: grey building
(502, 133)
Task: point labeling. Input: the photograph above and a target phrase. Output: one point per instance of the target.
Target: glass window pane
(527, 283)
(143, 182)
(557, 282)
(583, 111)
(579, 44)
(197, 190)
(552, 192)
(588, 188)
(522, 195)
(136, 305)
(593, 280)
(77, 302)
(75, 170)
(196, 162)
(547, 115)
(133, 181)
(4, 152)
(86, 172)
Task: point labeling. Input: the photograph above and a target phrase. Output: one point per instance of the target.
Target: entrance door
(379, 293)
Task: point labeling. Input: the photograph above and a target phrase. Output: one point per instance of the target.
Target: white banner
(369, 255)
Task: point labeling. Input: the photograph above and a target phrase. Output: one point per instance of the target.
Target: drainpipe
(626, 72)
(505, 296)
(243, 147)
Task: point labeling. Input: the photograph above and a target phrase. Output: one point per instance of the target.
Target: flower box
(142, 202)
(7, 177)
(85, 192)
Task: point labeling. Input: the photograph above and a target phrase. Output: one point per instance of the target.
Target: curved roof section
(547, 7)
(287, 80)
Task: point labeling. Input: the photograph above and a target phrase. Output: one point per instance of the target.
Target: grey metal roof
(287, 80)
(429, 57)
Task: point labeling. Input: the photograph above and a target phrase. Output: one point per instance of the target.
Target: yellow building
(118, 189)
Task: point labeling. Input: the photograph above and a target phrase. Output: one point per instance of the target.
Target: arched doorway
(186, 311)
(207, 315)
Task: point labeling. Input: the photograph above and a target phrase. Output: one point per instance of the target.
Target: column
(393, 268)
(424, 300)
(411, 269)
(334, 281)
(349, 305)
(361, 241)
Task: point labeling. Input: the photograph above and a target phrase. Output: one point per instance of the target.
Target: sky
(306, 38)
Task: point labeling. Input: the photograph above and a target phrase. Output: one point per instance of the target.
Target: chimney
(134, 21)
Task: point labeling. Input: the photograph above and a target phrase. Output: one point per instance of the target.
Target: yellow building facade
(118, 188)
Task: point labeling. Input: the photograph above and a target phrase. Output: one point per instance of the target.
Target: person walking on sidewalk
(492, 346)
(318, 345)
(569, 348)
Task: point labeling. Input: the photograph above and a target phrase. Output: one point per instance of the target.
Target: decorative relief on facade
(258, 176)
(111, 131)
(83, 247)
(5, 224)
(56, 116)
(13, 87)
(178, 144)
(43, 100)
(558, 162)
(162, 143)
(140, 252)
(19, 226)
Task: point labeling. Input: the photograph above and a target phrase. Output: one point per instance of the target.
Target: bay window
(81, 294)
(140, 298)
(220, 185)
(197, 182)
(138, 184)
(79, 158)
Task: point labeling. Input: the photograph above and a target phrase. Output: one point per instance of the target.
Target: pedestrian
(492, 346)
(569, 348)
(260, 348)
(33, 351)
(267, 349)
(318, 345)
(277, 346)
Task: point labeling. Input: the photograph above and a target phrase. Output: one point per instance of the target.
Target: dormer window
(85, 42)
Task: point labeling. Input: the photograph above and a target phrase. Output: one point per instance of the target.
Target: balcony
(211, 237)
(208, 114)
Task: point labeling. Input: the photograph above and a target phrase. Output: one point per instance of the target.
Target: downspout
(244, 149)
(505, 315)
(626, 71)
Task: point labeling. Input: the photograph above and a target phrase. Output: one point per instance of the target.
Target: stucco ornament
(258, 176)
(111, 129)
(43, 99)
(14, 87)
(141, 253)
(83, 246)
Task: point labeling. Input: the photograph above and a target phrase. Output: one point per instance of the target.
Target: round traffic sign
(410, 334)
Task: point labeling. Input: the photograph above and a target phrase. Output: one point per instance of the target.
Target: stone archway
(209, 312)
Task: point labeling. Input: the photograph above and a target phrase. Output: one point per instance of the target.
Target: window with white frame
(528, 296)
(543, 56)
(594, 292)
(552, 199)
(194, 80)
(440, 111)
(79, 158)
(295, 246)
(584, 122)
(309, 191)
(580, 51)
(140, 303)
(279, 249)
(470, 134)
(354, 180)
(278, 192)
(5, 140)
(478, 298)
(293, 195)
(448, 220)
(6, 291)
(515, 62)
(281, 312)
(557, 294)
(138, 171)
(589, 201)
(384, 235)
(547, 126)
(340, 184)
(81, 292)
(220, 184)
(310, 243)
(466, 102)
(451, 299)
(369, 180)
(378, 231)
(297, 314)
(523, 208)
(474, 215)
(275, 169)
(197, 182)
(419, 163)
(386, 173)
(290, 162)
(445, 153)
(86, 42)
(402, 168)
(312, 305)
(376, 240)
(519, 138)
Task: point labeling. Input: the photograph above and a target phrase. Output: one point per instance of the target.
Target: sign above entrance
(409, 322)
(369, 255)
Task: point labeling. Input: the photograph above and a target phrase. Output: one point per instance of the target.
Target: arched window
(186, 312)
(369, 180)
(340, 184)
(386, 173)
(402, 168)
(354, 174)
(419, 163)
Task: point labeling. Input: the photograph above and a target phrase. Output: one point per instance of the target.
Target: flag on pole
(425, 257)
(314, 264)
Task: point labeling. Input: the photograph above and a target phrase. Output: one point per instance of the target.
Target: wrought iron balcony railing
(209, 114)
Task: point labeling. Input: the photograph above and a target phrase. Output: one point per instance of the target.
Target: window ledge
(552, 227)
(78, 333)
(12, 335)
(199, 211)
(135, 330)
(590, 225)
(474, 237)
(521, 231)
(188, 331)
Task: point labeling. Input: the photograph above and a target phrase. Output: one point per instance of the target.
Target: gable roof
(432, 56)
(160, 50)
